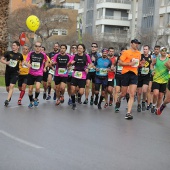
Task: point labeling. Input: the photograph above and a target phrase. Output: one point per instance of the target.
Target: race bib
(145, 70)
(136, 62)
(36, 65)
(91, 70)
(12, 63)
(51, 71)
(78, 74)
(103, 72)
(62, 71)
(119, 68)
(110, 79)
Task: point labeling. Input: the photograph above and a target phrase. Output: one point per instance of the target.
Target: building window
(55, 32)
(64, 32)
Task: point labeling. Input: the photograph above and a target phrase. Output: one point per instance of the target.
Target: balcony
(113, 20)
(114, 4)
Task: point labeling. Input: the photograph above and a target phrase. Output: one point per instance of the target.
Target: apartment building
(153, 24)
(106, 19)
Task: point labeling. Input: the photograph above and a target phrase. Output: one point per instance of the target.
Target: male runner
(130, 62)
(12, 60)
(35, 61)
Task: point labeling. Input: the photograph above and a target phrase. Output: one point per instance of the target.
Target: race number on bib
(12, 63)
(119, 68)
(136, 62)
(144, 70)
(36, 65)
(110, 79)
(78, 74)
(24, 66)
(103, 72)
(62, 71)
(51, 72)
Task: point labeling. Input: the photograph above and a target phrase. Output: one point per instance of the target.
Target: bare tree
(50, 21)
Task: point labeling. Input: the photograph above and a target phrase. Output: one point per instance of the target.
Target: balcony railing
(116, 1)
(113, 18)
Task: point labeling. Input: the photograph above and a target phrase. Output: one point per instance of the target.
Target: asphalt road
(57, 138)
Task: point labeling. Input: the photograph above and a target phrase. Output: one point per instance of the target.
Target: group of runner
(116, 76)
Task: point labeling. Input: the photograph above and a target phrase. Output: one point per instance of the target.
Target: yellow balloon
(33, 23)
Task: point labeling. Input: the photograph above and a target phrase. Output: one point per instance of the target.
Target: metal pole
(133, 19)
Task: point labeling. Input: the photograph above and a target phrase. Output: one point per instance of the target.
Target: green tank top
(161, 72)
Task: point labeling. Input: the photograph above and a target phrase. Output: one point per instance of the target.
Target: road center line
(20, 140)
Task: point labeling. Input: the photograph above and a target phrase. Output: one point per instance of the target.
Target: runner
(45, 76)
(12, 60)
(94, 55)
(160, 78)
(130, 62)
(70, 71)
(167, 97)
(35, 61)
(102, 66)
(61, 74)
(23, 74)
(118, 78)
(80, 62)
(143, 78)
(150, 94)
(111, 76)
(51, 71)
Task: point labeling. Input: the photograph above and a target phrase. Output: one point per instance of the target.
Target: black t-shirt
(52, 54)
(80, 62)
(14, 58)
(145, 70)
(62, 60)
(95, 55)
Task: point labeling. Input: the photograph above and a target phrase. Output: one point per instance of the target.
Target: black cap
(135, 41)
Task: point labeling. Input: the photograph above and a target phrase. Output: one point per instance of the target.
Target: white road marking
(20, 140)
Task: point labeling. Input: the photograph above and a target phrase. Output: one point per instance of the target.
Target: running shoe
(55, 96)
(159, 111)
(44, 95)
(86, 101)
(58, 102)
(139, 108)
(79, 100)
(143, 106)
(62, 99)
(106, 105)
(99, 106)
(36, 103)
(30, 105)
(73, 106)
(116, 109)
(111, 101)
(70, 102)
(153, 109)
(19, 102)
(91, 101)
(48, 97)
(128, 116)
(6, 103)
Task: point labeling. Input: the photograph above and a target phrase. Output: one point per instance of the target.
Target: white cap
(163, 48)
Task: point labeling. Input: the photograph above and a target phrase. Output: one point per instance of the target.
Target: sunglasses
(74, 47)
(37, 46)
(94, 46)
(164, 50)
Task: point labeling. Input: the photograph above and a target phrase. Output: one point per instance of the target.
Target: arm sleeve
(28, 57)
(6, 54)
(123, 56)
(88, 59)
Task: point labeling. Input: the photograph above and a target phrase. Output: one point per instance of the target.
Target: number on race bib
(36, 65)
(78, 74)
(62, 71)
(12, 63)
(119, 68)
(144, 70)
(136, 62)
(110, 79)
(103, 72)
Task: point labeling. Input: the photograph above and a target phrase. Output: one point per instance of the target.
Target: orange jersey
(111, 74)
(129, 56)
